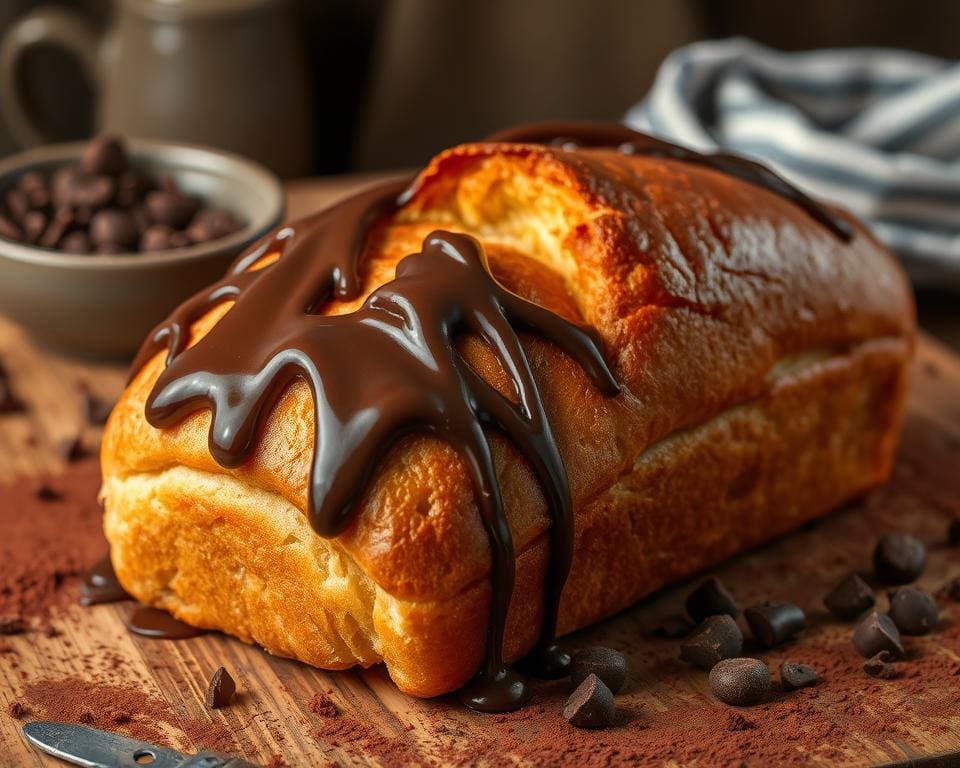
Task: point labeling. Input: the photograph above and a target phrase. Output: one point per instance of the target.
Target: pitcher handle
(47, 25)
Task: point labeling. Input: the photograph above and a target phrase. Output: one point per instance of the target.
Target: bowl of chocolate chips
(99, 240)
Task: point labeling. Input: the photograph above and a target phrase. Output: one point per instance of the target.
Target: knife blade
(94, 748)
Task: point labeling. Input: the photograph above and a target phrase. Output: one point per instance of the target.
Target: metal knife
(101, 749)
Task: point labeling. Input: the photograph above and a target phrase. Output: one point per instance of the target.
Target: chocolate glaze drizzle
(100, 585)
(391, 368)
(160, 625)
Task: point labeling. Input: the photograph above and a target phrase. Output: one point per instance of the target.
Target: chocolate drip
(160, 625)
(100, 585)
(338, 232)
(391, 368)
(628, 141)
(404, 376)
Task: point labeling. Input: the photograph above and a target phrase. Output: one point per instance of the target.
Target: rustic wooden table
(852, 720)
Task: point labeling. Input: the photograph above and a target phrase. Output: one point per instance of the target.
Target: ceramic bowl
(103, 306)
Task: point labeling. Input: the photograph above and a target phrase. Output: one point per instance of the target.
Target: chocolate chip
(179, 240)
(174, 209)
(794, 676)
(12, 625)
(953, 533)
(34, 185)
(71, 449)
(47, 493)
(880, 665)
(876, 633)
(591, 705)
(76, 242)
(605, 663)
(9, 402)
(141, 217)
(774, 622)
(899, 558)
(156, 238)
(131, 187)
(17, 203)
(113, 226)
(93, 192)
(39, 198)
(740, 682)
(97, 409)
(674, 626)
(34, 224)
(717, 638)
(850, 598)
(9, 229)
(82, 215)
(61, 221)
(17, 710)
(31, 181)
(221, 689)
(104, 154)
(65, 179)
(211, 223)
(711, 598)
(913, 610)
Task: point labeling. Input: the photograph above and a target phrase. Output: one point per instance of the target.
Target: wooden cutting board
(667, 714)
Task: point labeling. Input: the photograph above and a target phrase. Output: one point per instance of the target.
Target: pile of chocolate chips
(597, 673)
(713, 641)
(898, 560)
(103, 204)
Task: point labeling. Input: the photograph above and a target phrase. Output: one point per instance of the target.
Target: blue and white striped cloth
(875, 130)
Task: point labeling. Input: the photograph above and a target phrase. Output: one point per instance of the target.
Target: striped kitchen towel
(876, 130)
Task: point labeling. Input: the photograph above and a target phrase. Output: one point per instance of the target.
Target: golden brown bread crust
(763, 363)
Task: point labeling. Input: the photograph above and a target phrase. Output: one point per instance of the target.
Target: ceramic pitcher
(229, 73)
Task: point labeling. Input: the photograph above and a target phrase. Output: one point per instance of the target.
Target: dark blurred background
(386, 83)
(391, 81)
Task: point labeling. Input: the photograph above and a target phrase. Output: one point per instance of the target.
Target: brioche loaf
(763, 368)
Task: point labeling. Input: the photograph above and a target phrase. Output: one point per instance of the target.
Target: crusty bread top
(699, 284)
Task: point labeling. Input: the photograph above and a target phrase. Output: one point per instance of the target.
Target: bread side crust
(220, 553)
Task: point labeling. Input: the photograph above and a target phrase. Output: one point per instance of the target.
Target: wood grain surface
(378, 725)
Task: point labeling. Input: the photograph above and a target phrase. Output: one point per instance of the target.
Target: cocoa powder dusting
(127, 709)
(366, 738)
(321, 704)
(100, 705)
(51, 535)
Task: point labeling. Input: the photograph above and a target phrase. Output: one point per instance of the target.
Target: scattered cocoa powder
(366, 740)
(322, 705)
(48, 543)
(217, 737)
(128, 709)
(100, 705)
